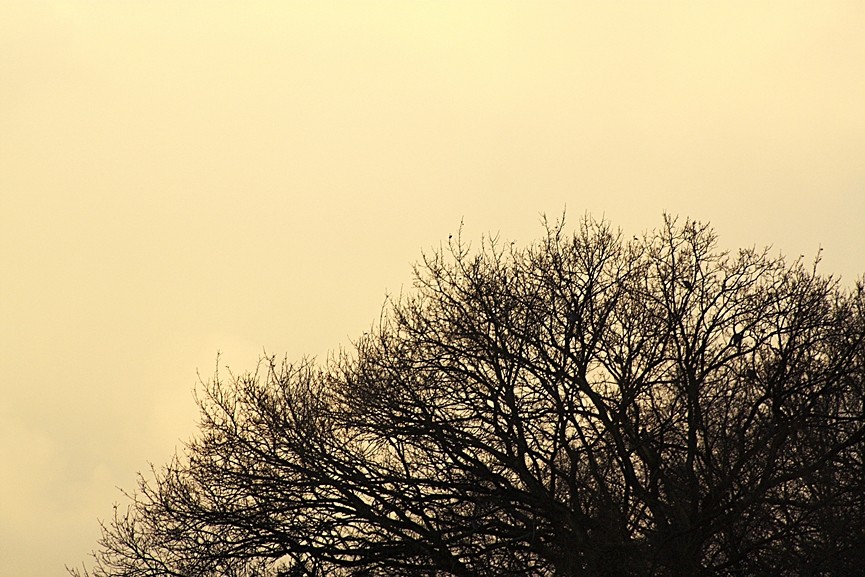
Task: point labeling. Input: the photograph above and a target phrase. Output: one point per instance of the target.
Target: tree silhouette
(584, 406)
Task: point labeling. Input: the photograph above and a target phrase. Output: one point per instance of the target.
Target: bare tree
(585, 406)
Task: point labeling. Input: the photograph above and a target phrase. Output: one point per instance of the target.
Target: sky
(181, 179)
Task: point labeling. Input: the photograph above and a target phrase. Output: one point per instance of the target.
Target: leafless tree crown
(584, 406)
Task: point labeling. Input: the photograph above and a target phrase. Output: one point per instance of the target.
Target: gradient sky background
(182, 178)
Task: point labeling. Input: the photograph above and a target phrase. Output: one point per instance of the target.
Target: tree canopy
(587, 405)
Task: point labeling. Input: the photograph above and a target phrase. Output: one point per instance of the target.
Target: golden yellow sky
(178, 178)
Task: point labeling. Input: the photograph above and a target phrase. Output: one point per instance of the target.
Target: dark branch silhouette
(584, 406)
